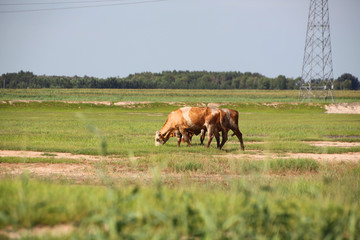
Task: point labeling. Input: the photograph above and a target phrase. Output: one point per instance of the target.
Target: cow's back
(229, 119)
(175, 119)
(194, 117)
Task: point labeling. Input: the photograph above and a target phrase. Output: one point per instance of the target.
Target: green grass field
(161, 95)
(135, 190)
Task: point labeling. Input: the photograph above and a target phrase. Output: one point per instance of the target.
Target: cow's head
(159, 139)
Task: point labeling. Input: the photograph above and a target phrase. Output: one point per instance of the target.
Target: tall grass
(159, 212)
(277, 166)
(295, 165)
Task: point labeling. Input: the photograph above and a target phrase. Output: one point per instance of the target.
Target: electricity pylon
(317, 71)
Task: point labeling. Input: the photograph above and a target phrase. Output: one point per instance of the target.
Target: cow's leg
(185, 136)
(190, 136)
(179, 135)
(217, 137)
(224, 134)
(239, 136)
(202, 137)
(210, 130)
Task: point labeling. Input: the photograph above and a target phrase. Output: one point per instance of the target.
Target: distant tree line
(169, 80)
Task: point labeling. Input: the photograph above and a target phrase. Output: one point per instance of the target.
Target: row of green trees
(169, 80)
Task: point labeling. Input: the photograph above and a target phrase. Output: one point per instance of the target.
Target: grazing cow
(229, 120)
(191, 120)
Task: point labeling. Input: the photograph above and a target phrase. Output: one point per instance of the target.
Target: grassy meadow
(161, 95)
(139, 191)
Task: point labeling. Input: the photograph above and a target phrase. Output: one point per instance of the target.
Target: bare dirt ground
(108, 103)
(340, 108)
(333, 144)
(343, 157)
(348, 108)
(56, 231)
(56, 155)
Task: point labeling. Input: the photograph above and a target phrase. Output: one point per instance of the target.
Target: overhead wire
(54, 3)
(79, 7)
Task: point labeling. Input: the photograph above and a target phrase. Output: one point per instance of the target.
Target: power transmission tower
(317, 71)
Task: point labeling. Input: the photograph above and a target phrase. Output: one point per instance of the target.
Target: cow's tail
(236, 124)
(223, 119)
(237, 131)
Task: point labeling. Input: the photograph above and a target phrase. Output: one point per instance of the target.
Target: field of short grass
(117, 184)
(90, 129)
(161, 95)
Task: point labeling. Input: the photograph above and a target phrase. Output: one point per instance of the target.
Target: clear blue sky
(264, 36)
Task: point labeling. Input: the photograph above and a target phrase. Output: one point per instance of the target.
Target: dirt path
(333, 144)
(70, 170)
(344, 108)
(343, 157)
(56, 155)
(90, 167)
(56, 231)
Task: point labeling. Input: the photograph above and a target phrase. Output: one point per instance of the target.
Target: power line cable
(79, 7)
(54, 3)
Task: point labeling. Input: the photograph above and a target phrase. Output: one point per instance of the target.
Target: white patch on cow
(214, 111)
(158, 141)
(228, 116)
(186, 111)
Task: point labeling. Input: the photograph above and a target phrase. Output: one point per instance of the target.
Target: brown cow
(229, 119)
(192, 120)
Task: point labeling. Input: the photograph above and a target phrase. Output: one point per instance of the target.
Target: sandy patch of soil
(108, 103)
(343, 157)
(237, 142)
(23, 101)
(333, 144)
(344, 108)
(213, 105)
(89, 102)
(272, 104)
(56, 155)
(130, 103)
(349, 108)
(74, 171)
(73, 102)
(347, 157)
(77, 171)
(176, 103)
(56, 231)
(90, 172)
(313, 143)
(185, 104)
